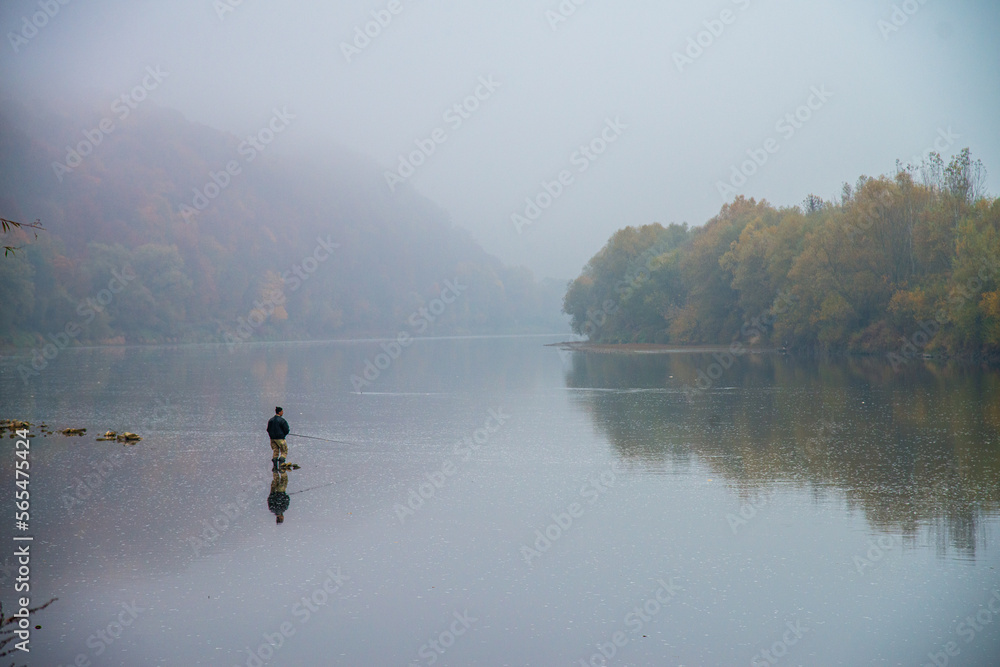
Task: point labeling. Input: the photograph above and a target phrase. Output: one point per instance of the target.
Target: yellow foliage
(990, 304)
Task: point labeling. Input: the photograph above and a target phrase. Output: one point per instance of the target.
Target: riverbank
(652, 348)
(892, 356)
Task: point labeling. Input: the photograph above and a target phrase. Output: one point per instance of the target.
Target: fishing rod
(339, 442)
(311, 488)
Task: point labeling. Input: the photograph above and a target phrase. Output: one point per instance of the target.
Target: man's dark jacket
(278, 502)
(277, 427)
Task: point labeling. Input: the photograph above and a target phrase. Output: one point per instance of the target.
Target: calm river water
(506, 503)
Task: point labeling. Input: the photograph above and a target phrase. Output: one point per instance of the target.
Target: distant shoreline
(652, 348)
(10, 349)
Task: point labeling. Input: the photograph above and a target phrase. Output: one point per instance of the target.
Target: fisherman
(278, 500)
(277, 429)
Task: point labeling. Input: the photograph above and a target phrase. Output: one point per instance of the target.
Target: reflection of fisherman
(278, 428)
(278, 501)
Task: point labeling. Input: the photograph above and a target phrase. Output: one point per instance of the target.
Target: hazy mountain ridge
(134, 199)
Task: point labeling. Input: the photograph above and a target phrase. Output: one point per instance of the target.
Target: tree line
(907, 264)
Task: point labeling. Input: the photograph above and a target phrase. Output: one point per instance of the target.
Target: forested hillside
(212, 238)
(908, 264)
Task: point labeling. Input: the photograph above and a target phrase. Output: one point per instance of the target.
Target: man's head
(278, 411)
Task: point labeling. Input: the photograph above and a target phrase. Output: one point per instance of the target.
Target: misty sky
(672, 129)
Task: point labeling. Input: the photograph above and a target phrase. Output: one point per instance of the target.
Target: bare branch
(7, 225)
